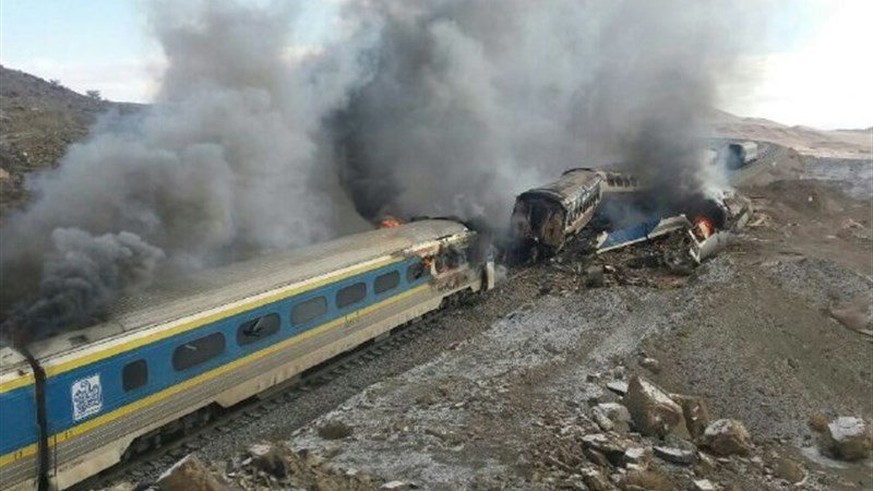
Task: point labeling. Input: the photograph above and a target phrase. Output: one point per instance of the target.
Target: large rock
(610, 445)
(611, 416)
(189, 474)
(675, 455)
(848, 438)
(727, 437)
(651, 409)
(695, 412)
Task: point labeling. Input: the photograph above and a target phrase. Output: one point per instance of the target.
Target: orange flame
(703, 227)
(389, 222)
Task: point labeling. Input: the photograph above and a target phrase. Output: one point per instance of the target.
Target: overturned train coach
(170, 358)
(544, 218)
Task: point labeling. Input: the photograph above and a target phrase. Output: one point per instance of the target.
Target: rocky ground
(614, 373)
(39, 119)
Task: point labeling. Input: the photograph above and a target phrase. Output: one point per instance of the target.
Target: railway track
(145, 465)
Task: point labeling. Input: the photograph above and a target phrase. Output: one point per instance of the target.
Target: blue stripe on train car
(17, 419)
(97, 396)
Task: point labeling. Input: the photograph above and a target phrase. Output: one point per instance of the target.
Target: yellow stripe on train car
(184, 326)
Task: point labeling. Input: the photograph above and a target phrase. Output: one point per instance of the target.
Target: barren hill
(844, 144)
(38, 120)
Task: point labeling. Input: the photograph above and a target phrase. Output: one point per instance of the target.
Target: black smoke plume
(439, 107)
(81, 276)
(224, 165)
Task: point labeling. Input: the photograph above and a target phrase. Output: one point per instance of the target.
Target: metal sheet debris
(648, 230)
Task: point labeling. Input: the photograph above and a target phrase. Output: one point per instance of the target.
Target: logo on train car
(87, 397)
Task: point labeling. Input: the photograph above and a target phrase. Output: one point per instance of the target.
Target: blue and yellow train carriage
(217, 339)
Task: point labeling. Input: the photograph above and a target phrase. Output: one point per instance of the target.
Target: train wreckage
(546, 218)
(702, 237)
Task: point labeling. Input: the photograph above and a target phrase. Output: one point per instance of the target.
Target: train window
(387, 281)
(414, 272)
(308, 310)
(257, 329)
(351, 294)
(198, 351)
(134, 374)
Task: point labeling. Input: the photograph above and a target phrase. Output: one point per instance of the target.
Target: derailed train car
(544, 218)
(171, 357)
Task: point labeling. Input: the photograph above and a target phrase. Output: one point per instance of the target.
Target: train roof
(568, 187)
(171, 300)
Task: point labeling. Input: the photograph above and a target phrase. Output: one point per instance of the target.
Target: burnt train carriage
(168, 356)
(544, 218)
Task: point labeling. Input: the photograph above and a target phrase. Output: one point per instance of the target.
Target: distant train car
(544, 218)
(741, 153)
(167, 358)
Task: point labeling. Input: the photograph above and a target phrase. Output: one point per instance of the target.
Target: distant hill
(38, 120)
(846, 144)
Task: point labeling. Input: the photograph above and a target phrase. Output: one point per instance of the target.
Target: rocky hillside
(38, 119)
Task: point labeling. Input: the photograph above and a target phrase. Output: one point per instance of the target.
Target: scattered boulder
(727, 437)
(848, 438)
(612, 416)
(636, 455)
(268, 458)
(787, 469)
(675, 455)
(619, 387)
(704, 485)
(596, 458)
(609, 445)
(651, 409)
(189, 474)
(696, 413)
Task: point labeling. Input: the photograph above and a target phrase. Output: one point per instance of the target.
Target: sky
(811, 68)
